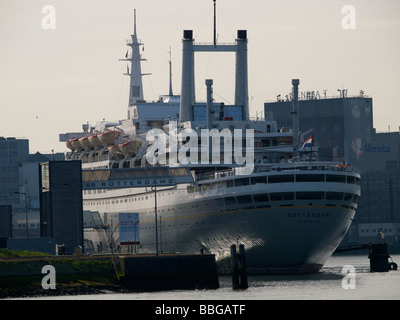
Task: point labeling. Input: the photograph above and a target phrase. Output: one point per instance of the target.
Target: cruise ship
(258, 185)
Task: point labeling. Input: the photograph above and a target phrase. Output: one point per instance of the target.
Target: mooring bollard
(238, 268)
(378, 258)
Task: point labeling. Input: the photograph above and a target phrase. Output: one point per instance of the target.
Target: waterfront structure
(5, 224)
(61, 215)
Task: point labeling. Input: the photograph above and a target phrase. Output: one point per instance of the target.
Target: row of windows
(23, 226)
(375, 231)
(279, 179)
(129, 199)
(287, 196)
(9, 169)
(9, 179)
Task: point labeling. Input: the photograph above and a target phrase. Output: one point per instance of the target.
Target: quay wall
(92, 274)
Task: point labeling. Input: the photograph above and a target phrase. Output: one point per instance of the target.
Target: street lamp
(26, 211)
(155, 207)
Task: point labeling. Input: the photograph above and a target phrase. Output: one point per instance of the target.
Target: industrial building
(19, 184)
(61, 214)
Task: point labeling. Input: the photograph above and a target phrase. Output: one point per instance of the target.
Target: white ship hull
(280, 236)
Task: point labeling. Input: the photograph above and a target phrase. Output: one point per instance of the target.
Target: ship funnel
(187, 92)
(241, 79)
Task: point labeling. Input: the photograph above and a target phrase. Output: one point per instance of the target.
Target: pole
(26, 216)
(26, 211)
(160, 237)
(155, 208)
(215, 23)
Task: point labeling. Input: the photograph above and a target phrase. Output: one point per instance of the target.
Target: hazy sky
(53, 81)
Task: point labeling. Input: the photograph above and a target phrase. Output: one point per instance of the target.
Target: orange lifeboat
(114, 149)
(108, 138)
(76, 144)
(70, 146)
(84, 141)
(95, 141)
(130, 147)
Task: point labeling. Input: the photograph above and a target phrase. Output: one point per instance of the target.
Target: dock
(76, 274)
(167, 272)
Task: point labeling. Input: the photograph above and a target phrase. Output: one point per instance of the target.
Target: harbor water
(337, 280)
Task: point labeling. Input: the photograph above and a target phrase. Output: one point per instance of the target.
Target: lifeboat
(114, 149)
(108, 138)
(84, 141)
(130, 147)
(95, 141)
(76, 144)
(69, 145)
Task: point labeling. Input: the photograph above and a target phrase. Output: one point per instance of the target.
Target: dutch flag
(308, 143)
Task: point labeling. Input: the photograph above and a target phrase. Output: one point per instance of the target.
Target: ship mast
(135, 73)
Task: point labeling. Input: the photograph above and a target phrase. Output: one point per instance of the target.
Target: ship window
(348, 197)
(242, 182)
(266, 143)
(335, 178)
(356, 198)
(310, 178)
(244, 199)
(351, 179)
(230, 201)
(281, 178)
(310, 195)
(334, 196)
(229, 184)
(216, 185)
(261, 197)
(280, 196)
(257, 180)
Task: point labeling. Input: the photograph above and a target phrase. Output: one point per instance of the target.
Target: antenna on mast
(134, 23)
(215, 22)
(170, 73)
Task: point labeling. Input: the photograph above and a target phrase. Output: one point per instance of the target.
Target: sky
(54, 80)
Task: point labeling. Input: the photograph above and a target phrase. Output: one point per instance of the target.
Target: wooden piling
(234, 268)
(243, 267)
(238, 268)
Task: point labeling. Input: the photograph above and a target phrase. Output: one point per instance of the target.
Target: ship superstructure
(289, 209)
